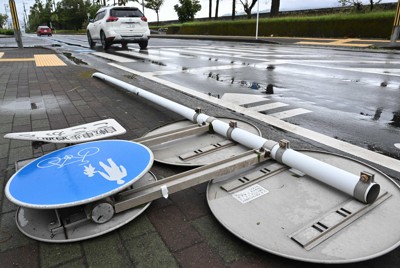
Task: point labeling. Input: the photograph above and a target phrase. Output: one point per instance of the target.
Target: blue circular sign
(79, 174)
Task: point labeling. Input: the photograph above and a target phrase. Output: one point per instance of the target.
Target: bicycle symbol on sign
(79, 158)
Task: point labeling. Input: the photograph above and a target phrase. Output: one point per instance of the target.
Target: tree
(233, 9)
(216, 9)
(275, 8)
(372, 3)
(3, 20)
(154, 5)
(209, 9)
(124, 2)
(248, 7)
(187, 10)
(358, 3)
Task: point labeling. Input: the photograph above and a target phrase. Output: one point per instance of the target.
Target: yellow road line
(16, 59)
(335, 42)
(48, 60)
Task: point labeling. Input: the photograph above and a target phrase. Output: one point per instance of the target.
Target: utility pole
(5, 8)
(396, 26)
(17, 31)
(25, 19)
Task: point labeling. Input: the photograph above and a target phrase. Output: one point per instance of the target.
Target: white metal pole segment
(364, 190)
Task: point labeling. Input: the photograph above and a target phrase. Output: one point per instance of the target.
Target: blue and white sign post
(79, 174)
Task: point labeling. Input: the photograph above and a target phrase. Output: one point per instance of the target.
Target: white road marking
(199, 70)
(113, 57)
(346, 147)
(269, 106)
(241, 99)
(210, 52)
(361, 70)
(141, 55)
(290, 113)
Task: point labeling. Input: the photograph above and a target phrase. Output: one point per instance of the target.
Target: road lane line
(346, 147)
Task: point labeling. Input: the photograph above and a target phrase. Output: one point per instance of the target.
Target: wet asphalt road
(351, 95)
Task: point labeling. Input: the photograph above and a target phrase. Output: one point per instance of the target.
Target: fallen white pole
(362, 187)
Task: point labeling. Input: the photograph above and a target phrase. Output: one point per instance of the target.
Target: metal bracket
(283, 146)
(207, 149)
(232, 126)
(318, 231)
(134, 197)
(172, 135)
(198, 112)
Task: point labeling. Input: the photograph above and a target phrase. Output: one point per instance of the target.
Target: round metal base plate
(171, 152)
(71, 224)
(294, 216)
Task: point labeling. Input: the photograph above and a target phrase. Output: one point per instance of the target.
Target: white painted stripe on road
(141, 55)
(361, 70)
(198, 52)
(241, 99)
(198, 70)
(113, 57)
(269, 106)
(290, 113)
(346, 147)
(174, 54)
(1, 54)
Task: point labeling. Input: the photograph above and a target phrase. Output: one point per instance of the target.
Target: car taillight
(144, 19)
(111, 19)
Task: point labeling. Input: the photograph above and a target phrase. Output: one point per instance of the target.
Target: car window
(125, 12)
(99, 16)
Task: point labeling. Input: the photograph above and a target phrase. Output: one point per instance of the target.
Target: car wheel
(90, 40)
(104, 42)
(124, 45)
(143, 44)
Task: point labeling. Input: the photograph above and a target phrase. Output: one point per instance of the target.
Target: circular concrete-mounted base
(71, 224)
(174, 152)
(287, 213)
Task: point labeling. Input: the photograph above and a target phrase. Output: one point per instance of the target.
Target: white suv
(118, 25)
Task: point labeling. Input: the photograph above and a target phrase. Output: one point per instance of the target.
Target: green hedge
(7, 31)
(367, 25)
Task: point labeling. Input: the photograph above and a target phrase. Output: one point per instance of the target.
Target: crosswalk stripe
(113, 57)
(207, 52)
(241, 99)
(269, 106)
(141, 55)
(290, 113)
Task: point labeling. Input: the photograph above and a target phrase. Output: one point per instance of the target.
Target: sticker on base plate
(250, 193)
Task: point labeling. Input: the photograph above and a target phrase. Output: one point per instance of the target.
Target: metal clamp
(232, 126)
(366, 190)
(198, 112)
(283, 146)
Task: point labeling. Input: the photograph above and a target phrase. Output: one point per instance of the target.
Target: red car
(43, 30)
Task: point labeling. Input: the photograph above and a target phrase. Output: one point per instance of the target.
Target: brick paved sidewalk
(175, 232)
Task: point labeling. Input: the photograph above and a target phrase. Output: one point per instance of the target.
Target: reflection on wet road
(344, 98)
(351, 96)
